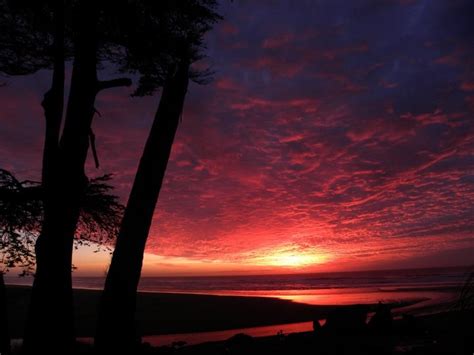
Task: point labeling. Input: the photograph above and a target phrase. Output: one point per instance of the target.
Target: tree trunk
(4, 330)
(50, 323)
(116, 319)
(53, 101)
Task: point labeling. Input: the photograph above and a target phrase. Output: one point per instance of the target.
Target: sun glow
(293, 259)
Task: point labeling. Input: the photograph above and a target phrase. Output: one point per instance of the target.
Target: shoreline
(203, 321)
(179, 313)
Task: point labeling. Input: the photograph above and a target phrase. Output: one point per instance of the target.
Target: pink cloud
(277, 42)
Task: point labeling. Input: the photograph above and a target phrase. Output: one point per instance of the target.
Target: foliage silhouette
(21, 213)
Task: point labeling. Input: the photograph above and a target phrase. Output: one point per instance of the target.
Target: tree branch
(32, 193)
(114, 83)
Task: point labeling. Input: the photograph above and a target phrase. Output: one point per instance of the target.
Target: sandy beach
(168, 313)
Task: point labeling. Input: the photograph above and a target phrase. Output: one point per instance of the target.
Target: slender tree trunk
(116, 319)
(53, 101)
(53, 105)
(4, 329)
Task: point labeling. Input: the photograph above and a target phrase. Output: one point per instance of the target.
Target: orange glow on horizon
(286, 259)
(292, 258)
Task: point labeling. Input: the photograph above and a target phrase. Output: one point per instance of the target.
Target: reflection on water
(203, 337)
(357, 296)
(349, 296)
(195, 338)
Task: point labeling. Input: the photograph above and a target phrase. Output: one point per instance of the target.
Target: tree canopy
(21, 213)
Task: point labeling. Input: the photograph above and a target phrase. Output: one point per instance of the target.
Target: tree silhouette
(162, 61)
(159, 40)
(21, 213)
(36, 35)
(62, 202)
(33, 38)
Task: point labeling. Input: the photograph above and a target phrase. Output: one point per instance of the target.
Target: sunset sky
(335, 135)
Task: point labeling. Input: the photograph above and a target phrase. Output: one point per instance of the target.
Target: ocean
(317, 288)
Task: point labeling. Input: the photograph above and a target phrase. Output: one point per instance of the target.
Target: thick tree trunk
(4, 329)
(50, 324)
(116, 319)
